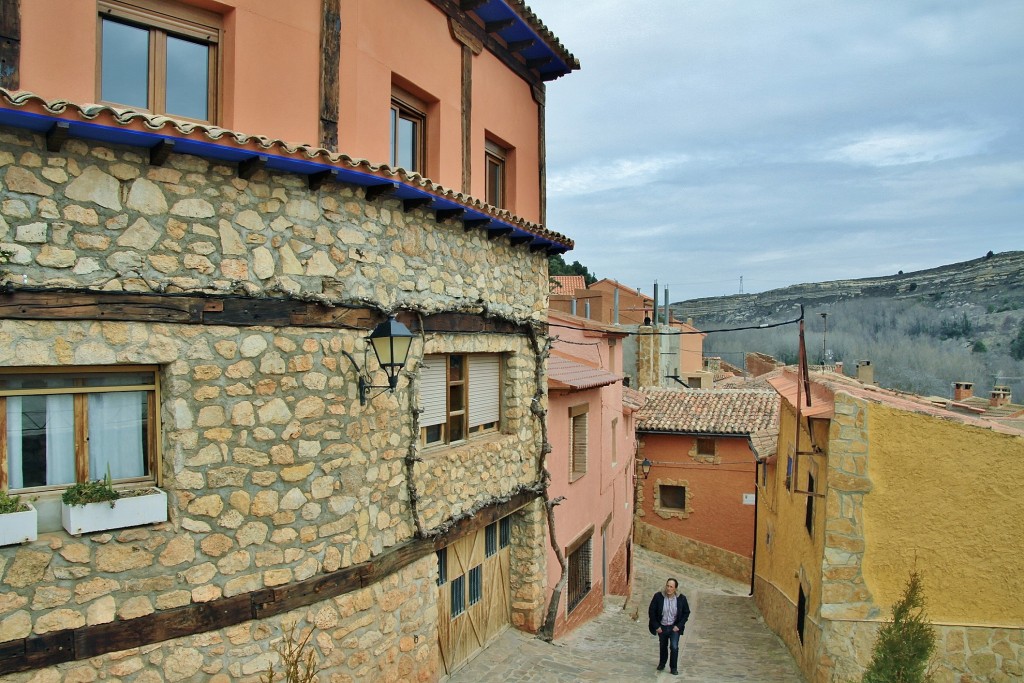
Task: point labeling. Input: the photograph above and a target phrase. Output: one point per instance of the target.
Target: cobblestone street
(725, 639)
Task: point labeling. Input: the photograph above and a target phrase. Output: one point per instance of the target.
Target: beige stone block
(140, 235)
(235, 562)
(235, 269)
(17, 625)
(26, 182)
(94, 588)
(179, 550)
(182, 664)
(193, 207)
(121, 558)
(96, 186)
(11, 601)
(133, 608)
(48, 597)
(215, 545)
(243, 584)
(58, 620)
(297, 472)
(28, 568)
(269, 558)
(277, 577)
(102, 611)
(211, 416)
(252, 533)
(75, 552)
(206, 506)
(230, 241)
(206, 593)
(265, 504)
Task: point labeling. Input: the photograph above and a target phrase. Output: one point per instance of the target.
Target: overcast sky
(786, 141)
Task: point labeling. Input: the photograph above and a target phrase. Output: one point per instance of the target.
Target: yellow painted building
(872, 486)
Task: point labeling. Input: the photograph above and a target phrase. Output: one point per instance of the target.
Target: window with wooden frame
(408, 131)
(476, 585)
(491, 539)
(505, 532)
(801, 613)
(495, 157)
(672, 497)
(442, 566)
(578, 559)
(458, 596)
(809, 515)
(705, 447)
(578, 441)
(159, 57)
(460, 397)
(70, 425)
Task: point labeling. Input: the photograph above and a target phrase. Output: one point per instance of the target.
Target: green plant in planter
(99, 491)
(10, 503)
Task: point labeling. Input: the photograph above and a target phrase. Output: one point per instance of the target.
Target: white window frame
(481, 387)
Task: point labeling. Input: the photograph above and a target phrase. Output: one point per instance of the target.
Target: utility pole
(741, 284)
(824, 335)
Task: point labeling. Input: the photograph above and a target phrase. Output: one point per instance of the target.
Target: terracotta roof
(569, 374)
(624, 288)
(765, 442)
(708, 411)
(633, 399)
(822, 403)
(567, 284)
(122, 126)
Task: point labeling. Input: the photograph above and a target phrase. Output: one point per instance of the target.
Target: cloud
(900, 146)
(603, 176)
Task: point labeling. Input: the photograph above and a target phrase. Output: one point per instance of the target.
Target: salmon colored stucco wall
(503, 106)
(713, 491)
(605, 492)
(406, 43)
(270, 74)
(946, 499)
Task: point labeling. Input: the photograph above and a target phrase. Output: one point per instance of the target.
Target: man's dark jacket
(658, 603)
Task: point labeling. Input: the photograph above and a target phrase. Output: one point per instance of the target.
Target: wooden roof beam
(382, 190)
(248, 168)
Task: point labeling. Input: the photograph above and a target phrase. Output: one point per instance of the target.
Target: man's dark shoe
(661, 667)
(674, 672)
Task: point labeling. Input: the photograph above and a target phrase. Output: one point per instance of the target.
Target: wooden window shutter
(433, 391)
(484, 389)
(578, 439)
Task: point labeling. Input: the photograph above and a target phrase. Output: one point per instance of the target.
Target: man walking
(668, 614)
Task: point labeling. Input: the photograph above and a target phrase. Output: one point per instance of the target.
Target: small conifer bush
(905, 644)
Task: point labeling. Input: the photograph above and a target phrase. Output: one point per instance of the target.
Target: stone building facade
(278, 479)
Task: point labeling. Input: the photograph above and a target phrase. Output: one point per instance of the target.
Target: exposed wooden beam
(556, 249)
(443, 215)
(330, 65)
(248, 168)
(382, 190)
(520, 239)
(520, 45)
(417, 203)
(10, 44)
(159, 152)
(538, 246)
(499, 25)
(473, 223)
(470, 5)
(56, 136)
(498, 232)
(316, 180)
(539, 62)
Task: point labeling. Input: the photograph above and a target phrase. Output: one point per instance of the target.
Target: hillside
(921, 330)
(995, 282)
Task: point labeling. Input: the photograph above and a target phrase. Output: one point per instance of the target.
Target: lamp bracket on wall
(390, 341)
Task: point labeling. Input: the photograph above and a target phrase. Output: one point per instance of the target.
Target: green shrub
(99, 491)
(905, 644)
(10, 503)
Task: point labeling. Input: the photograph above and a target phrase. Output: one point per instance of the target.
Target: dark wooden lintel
(498, 232)
(316, 180)
(520, 45)
(382, 190)
(538, 246)
(556, 249)
(443, 215)
(539, 62)
(159, 152)
(10, 44)
(520, 239)
(458, 322)
(417, 203)
(474, 223)
(56, 136)
(499, 25)
(249, 167)
(85, 642)
(470, 5)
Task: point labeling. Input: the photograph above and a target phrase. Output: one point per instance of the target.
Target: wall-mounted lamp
(645, 467)
(390, 341)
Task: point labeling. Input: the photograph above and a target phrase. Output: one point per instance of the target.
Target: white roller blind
(484, 389)
(433, 391)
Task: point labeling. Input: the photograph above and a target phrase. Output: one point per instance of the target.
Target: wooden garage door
(474, 595)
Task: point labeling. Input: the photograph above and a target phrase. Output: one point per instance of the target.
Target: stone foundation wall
(619, 578)
(692, 552)
(529, 554)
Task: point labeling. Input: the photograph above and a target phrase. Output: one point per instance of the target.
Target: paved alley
(725, 639)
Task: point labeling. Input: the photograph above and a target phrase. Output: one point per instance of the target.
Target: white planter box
(18, 527)
(150, 508)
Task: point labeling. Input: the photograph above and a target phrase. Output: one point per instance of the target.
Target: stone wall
(275, 473)
(692, 552)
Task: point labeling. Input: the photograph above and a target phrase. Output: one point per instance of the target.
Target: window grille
(579, 562)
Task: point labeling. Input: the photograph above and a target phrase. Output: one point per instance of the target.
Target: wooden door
(475, 600)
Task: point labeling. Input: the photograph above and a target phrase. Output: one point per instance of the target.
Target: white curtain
(15, 478)
(60, 439)
(115, 434)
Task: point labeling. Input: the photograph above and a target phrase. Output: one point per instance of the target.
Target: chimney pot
(962, 390)
(865, 373)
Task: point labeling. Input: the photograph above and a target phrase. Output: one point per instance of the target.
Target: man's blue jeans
(668, 637)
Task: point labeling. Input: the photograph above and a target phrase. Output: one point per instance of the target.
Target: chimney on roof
(865, 373)
(839, 367)
(1000, 396)
(962, 390)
